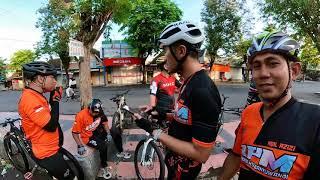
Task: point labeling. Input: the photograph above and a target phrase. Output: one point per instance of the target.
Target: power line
(12, 39)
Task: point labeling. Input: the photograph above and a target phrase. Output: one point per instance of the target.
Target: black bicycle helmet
(95, 106)
(275, 42)
(32, 69)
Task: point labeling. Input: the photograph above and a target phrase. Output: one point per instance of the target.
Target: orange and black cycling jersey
(197, 111)
(285, 146)
(34, 110)
(86, 126)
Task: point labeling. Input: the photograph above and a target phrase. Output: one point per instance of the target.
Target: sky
(18, 19)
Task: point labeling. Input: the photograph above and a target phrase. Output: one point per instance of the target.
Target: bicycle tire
(158, 153)
(220, 123)
(73, 164)
(7, 140)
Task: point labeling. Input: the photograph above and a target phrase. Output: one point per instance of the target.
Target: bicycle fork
(144, 161)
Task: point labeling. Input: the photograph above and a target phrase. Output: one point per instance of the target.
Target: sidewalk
(124, 169)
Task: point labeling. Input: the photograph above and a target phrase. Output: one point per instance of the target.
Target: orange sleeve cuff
(203, 144)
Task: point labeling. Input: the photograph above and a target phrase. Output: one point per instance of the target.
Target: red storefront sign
(122, 61)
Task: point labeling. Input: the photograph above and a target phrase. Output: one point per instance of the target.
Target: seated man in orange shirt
(91, 128)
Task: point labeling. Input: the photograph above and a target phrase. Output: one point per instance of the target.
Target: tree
(21, 57)
(91, 18)
(222, 26)
(2, 69)
(55, 23)
(148, 18)
(309, 56)
(302, 15)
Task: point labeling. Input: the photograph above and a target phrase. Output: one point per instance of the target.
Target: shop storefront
(122, 71)
(121, 62)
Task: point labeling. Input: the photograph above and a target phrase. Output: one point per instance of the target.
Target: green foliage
(2, 69)
(302, 15)
(21, 57)
(313, 74)
(92, 16)
(242, 47)
(56, 25)
(148, 18)
(222, 25)
(309, 56)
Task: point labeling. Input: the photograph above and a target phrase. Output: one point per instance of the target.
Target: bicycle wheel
(219, 127)
(15, 153)
(153, 167)
(116, 122)
(73, 164)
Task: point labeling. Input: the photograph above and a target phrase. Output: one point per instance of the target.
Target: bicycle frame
(121, 102)
(18, 133)
(119, 109)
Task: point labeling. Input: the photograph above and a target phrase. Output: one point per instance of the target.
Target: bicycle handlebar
(9, 120)
(126, 108)
(119, 95)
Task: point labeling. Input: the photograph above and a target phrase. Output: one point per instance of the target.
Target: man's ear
(181, 51)
(295, 70)
(39, 79)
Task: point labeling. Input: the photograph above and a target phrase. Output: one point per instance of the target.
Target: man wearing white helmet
(193, 130)
(278, 138)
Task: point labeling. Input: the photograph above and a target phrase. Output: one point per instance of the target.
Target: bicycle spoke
(149, 168)
(16, 155)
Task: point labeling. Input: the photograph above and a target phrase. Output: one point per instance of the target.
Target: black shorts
(56, 166)
(180, 167)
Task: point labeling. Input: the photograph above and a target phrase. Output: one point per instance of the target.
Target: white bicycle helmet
(274, 42)
(181, 30)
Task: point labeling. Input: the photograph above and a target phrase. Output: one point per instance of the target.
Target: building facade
(121, 63)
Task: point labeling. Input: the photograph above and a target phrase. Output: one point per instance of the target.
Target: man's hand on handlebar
(146, 108)
(143, 123)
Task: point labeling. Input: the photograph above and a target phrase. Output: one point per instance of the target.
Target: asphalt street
(139, 95)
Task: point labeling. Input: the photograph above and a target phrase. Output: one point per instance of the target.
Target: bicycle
(74, 97)
(118, 118)
(148, 154)
(235, 111)
(15, 143)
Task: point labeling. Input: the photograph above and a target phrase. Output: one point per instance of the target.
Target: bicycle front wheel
(73, 164)
(116, 126)
(15, 153)
(149, 165)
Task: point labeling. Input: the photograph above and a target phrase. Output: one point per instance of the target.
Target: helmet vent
(195, 32)
(171, 32)
(190, 25)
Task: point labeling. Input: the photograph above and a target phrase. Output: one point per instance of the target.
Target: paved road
(138, 95)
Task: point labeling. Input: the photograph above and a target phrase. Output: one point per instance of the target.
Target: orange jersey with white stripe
(285, 146)
(86, 125)
(34, 110)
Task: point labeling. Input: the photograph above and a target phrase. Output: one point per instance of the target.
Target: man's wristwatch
(156, 134)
